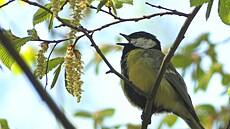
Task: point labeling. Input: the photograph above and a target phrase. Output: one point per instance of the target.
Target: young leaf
(82, 114)
(101, 4)
(198, 2)
(50, 23)
(170, 120)
(56, 74)
(209, 8)
(41, 15)
(54, 63)
(224, 11)
(107, 112)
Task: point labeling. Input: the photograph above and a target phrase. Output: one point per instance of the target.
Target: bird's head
(141, 40)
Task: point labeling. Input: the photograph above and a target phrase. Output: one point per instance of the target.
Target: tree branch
(148, 107)
(6, 3)
(37, 86)
(172, 10)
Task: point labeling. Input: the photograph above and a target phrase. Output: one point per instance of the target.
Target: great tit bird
(140, 63)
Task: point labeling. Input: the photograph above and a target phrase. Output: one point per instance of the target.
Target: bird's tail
(194, 123)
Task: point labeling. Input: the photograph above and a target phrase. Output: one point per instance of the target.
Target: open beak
(125, 36)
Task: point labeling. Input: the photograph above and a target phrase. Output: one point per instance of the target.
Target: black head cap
(143, 40)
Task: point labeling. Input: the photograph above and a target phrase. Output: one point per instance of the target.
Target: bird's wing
(177, 82)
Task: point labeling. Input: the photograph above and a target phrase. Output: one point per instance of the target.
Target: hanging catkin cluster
(41, 61)
(55, 7)
(73, 67)
(77, 8)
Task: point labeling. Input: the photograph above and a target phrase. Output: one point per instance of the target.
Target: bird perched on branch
(140, 63)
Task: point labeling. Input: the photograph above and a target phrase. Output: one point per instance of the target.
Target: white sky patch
(143, 43)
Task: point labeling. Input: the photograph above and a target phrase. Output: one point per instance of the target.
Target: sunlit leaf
(228, 91)
(2, 2)
(29, 57)
(224, 11)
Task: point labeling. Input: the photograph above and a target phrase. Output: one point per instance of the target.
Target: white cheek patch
(143, 43)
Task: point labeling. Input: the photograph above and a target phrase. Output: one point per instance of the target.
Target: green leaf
(96, 60)
(101, 4)
(204, 80)
(224, 11)
(107, 112)
(132, 126)
(170, 120)
(225, 79)
(41, 15)
(209, 8)
(50, 26)
(206, 113)
(54, 63)
(83, 114)
(56, 74)
(182, 61)
(4, 124)
(198, 2)
(5, 57)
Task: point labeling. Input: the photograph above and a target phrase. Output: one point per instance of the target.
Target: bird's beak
(126, 36)
(122, 44)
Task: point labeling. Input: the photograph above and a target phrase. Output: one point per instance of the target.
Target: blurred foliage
(98, 118)
(105, 49)
(4, 124)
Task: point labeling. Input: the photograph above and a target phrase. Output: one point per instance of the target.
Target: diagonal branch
(148, 107)
(6, 3)
(37, 86)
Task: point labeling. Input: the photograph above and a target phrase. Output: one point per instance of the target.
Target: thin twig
(47, 64)
(148, 107)
(172, 10)
(121, 20)
(52, 41)
(107, 12)
(6, 3)
(37, 86)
